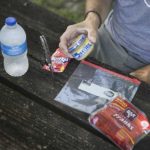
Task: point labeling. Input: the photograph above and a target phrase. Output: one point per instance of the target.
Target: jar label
(77, 42)
(14, 50)
(83, 51)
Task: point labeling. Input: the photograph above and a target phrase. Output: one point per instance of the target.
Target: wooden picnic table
(30, 118)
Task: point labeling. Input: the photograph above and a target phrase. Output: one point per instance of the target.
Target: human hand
(142, 74)
(88, 27)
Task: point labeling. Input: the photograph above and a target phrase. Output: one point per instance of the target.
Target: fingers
(63, 45)
(73, 31)
(138, 74)
(142, 75)
(67, 38)
(92, 34)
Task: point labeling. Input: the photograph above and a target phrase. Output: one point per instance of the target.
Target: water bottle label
(14, 50)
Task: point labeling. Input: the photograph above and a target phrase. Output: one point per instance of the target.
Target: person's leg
(107, 51)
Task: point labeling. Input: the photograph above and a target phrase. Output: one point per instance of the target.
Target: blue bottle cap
(10, 21)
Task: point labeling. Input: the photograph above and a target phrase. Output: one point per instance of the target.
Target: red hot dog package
(121, 122)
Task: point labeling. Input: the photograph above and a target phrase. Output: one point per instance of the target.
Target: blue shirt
(129, 25)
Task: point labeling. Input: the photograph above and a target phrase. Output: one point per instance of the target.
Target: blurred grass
(72, 10)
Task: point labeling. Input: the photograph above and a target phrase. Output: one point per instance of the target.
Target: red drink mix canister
(59, 62)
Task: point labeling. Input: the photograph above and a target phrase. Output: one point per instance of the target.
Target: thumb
(138, 74)
(132, 74)
(92, 36)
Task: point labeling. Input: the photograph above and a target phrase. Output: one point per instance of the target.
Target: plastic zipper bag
(90, 87)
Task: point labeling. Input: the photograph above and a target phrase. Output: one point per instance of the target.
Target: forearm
(101, 6)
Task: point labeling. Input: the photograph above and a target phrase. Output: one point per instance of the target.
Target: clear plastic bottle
(14, 48)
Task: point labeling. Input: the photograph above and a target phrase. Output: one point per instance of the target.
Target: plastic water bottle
(14, 48)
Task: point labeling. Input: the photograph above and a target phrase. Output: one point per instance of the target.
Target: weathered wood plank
(36, 84)
(24, 125)
(33, 15)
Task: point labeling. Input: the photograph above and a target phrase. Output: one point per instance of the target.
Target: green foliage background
(71, 9)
